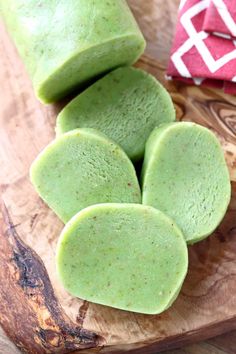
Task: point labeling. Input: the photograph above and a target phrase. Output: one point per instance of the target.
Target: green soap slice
(126, 104)
(68, 42)
(82, 168)
(129, 256)
(185, 175)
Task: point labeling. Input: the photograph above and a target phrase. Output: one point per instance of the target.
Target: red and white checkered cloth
(220, 18)
(200, 57)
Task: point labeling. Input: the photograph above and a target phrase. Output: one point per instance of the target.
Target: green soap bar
(82, 168)
(126, 104)
(68, 42)
(185, 175)
(129, 256)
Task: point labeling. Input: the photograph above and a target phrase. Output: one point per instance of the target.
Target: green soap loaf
(185, 175)
(128, 256)
(68, 42)
(126, 104)
(82, 168)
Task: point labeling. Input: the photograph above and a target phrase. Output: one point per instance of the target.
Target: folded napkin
(198, 56)
(220, 18)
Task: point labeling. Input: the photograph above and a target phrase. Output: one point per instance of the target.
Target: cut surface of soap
(126, 105)
(82, 168)
(185, 175)
(66, 43)
(129, 256)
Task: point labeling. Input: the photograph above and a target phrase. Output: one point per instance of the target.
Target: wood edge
(177, 341)
(27, 296)
(23, 272)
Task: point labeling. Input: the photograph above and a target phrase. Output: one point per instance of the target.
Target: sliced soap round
(82, 168)
(126, 105)
(128, 256)
(185, 175)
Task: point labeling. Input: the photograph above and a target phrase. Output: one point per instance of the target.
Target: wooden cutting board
(37, 314)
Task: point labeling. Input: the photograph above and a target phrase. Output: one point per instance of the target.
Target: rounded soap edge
(76, 219)
(152, 144)
(124, 69)
(94, 134)
(40, 85)
(139, 74)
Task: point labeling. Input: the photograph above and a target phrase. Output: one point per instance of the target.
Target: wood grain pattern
(26, 289)
(44, 318)
(224, 344)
